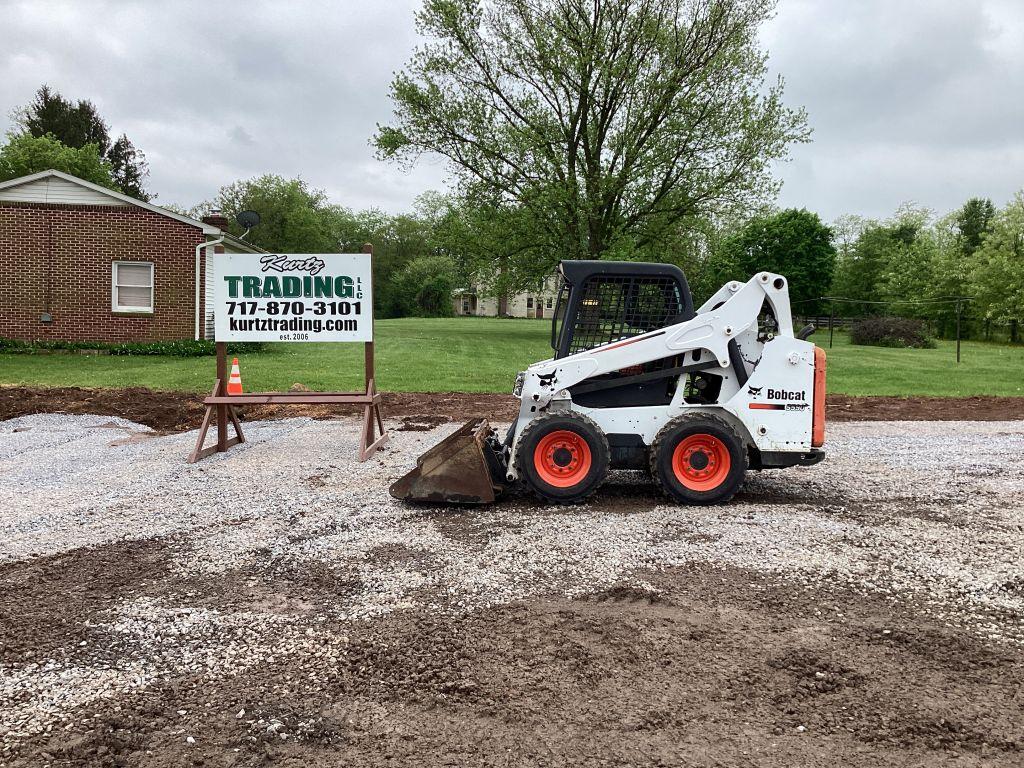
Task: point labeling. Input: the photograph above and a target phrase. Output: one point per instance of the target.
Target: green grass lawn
(484, 354)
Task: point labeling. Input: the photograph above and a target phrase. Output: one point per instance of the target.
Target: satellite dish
(247, 219)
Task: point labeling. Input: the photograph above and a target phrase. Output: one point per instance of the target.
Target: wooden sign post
(372, 434)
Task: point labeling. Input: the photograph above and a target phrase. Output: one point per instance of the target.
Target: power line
(959, 301)
(943, 300)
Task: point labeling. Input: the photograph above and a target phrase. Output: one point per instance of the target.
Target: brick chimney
(216, 219)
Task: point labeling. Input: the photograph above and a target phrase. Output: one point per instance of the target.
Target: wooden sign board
(292, 298)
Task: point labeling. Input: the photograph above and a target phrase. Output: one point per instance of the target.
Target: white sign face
(292, 297)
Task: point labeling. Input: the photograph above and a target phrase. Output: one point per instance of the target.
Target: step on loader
(640, 379)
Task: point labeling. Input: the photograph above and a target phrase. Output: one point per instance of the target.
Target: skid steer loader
(639, 379)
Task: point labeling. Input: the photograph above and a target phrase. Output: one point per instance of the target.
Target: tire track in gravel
(697, 664)
(47, 600)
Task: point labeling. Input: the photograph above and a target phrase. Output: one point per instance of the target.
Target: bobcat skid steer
(641, 380)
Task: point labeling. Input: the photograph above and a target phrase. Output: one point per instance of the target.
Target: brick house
(79, 262)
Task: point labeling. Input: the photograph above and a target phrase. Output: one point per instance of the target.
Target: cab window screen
(619, 307)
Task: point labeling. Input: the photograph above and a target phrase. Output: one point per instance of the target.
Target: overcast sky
(910, 100)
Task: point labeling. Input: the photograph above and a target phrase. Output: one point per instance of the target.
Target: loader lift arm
(724, 318)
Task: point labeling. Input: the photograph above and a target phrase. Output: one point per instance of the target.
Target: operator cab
(604, 301)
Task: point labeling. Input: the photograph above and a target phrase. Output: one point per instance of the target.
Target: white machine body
(773, 408)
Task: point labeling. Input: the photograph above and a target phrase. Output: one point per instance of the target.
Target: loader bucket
(455, 471)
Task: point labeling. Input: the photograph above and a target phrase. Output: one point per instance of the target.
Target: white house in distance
(538, 303)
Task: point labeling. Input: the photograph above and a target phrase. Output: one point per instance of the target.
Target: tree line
(639, 129)
(419, 257)
(912, 264)
(917, 264)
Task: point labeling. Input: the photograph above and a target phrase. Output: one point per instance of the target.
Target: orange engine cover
(818, 419)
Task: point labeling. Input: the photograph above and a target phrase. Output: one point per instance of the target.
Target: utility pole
(831, 322)
(959, 305)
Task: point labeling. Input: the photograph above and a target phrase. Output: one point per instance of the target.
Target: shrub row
(175, 348)
(892, 332)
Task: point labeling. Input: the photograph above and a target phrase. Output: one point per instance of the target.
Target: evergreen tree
(973, 221)
(129, 168)
(73, 125)
(77, 125)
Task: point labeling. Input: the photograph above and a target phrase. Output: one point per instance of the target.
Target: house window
(131, 286)
(549, 302)
(465, 306)
(529, 302)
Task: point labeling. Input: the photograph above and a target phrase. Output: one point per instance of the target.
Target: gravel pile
(926, 511)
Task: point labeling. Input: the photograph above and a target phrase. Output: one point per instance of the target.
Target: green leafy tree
(846, 230)
(998, 272)
(794, 243)
(955, 238)
(594, 128)
(698, 247)
(488, 243)
(397, 241)
(863, 267)
(951, 265)
(77, 125)
(907, 277)
(294, 218)
(423, 288)
(24, 155)
(972, 222)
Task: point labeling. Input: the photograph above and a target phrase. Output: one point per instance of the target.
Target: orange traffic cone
(235, 379)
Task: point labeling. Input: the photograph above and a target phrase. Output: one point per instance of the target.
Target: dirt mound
(978, 408)
(167, 411)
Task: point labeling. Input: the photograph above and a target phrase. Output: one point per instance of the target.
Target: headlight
(517, 390)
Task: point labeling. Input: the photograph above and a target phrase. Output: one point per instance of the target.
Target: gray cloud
(908, 100)
(213, 92)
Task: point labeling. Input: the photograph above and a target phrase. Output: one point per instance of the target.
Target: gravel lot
(275, 603)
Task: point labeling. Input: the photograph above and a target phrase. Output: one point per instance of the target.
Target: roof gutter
(199, 248)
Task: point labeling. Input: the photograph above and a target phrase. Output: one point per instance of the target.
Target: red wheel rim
(562, 458)
(701, 462)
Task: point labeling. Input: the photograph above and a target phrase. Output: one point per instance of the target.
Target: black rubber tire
(664, 446)
(582, 426)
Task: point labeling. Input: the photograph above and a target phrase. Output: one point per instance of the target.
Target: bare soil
(794, 662)
(169, 411)
(710, 666)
